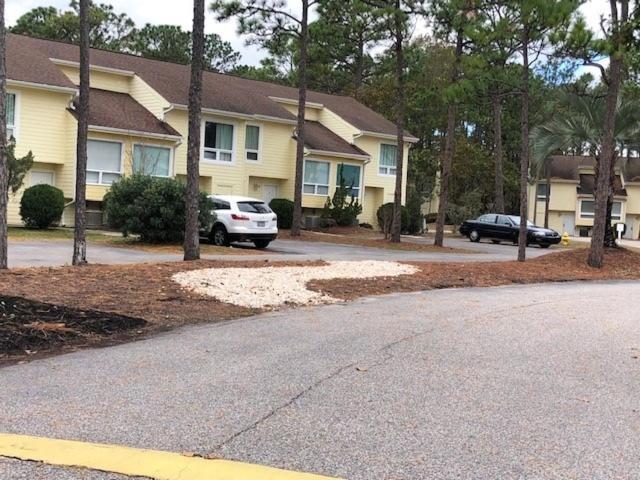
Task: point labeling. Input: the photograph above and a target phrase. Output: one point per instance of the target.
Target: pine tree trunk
(607, 155)
(302, 101)
(80, 220)
(547, 197)
(610, 234)
(191, 244)
(359, 68)
(396, 225)
(447, 160)
(524, 155)
(497, 152)
(4, 173)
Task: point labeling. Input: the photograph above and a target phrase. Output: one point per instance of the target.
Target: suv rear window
(254, 207)
(221, 205)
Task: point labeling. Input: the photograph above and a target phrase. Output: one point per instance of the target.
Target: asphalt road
(58, 252)
(535, 382)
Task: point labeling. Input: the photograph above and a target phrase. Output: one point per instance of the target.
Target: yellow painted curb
(138, 462)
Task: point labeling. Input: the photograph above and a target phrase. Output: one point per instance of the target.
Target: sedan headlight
(540, 234)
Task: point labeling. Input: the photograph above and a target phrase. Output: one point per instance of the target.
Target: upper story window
(316, 177)
(252, 143)
(387, 159)
(350, 175)
(104, 162)
(11, 115)
(152, 160)
(588, 208)
(218, 142)
(541, 191)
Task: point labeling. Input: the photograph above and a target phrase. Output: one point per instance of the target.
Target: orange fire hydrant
(565, 239)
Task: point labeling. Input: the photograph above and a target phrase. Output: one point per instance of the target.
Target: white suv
(242, 219)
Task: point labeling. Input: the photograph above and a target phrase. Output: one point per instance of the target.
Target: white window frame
(156, 145)
(542, 197)
(234, 140)
(316, 185)
(359, 165)
(613, 215)
(48, 172)
(259, 150)
(387, 168)
(100, 172)
(592, 215)
(16, 115)
(587, 215)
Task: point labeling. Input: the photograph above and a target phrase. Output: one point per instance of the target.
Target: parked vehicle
(498, 228)
(242, 219)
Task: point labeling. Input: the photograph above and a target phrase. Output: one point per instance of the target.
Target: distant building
(571, 195)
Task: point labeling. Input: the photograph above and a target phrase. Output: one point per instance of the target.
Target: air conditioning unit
(95, 218)
(311, 222)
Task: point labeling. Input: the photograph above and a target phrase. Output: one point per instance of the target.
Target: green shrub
(414, 219)
(283, 208)
(153, 208)
(385, 218)
(41, 206)
(342, 207)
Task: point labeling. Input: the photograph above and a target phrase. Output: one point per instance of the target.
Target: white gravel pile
(274, 286)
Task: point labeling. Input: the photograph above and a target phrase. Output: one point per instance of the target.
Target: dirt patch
(27, 326)
(571, 265)
(367, 238)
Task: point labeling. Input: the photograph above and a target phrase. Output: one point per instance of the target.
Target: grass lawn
(18, 234)
(129, 301)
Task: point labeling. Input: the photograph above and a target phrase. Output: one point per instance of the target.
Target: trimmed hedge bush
(153, 208)
(41, 206)
(385, 218)
(283, 208)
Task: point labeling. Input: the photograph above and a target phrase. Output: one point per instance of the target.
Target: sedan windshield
(516, 220)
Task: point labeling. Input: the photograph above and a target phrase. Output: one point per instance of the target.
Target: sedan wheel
(474, 236)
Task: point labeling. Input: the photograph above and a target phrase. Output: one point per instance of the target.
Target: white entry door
(269, 192)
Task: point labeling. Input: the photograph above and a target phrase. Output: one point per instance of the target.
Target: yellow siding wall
(372, 178)
(102, 80)
(148, 97)
(43, 127)
(309, 113)
(337, 125)
(277, 156)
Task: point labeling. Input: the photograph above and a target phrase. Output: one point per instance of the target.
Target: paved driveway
(536, 382)
(58, 252)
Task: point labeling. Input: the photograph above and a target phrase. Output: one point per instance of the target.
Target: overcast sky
(179, 13)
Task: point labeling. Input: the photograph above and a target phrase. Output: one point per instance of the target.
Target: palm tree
(191, 235)
(82, 110)
(577, 126)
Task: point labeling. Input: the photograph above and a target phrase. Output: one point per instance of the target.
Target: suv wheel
(219, 236)
(260, 244)
(474, 236)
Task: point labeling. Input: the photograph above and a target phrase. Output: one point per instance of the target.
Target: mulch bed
(27, 326)
(564, 266)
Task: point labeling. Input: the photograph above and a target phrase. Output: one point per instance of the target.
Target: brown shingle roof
(171, 80)
(588, 183)
(319, 137)
(119, 110)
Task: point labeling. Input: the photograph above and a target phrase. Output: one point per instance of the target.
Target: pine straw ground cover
(146, 292)
(564, 266)
(367, 238)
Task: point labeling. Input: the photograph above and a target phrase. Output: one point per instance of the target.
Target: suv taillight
(239, 217)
